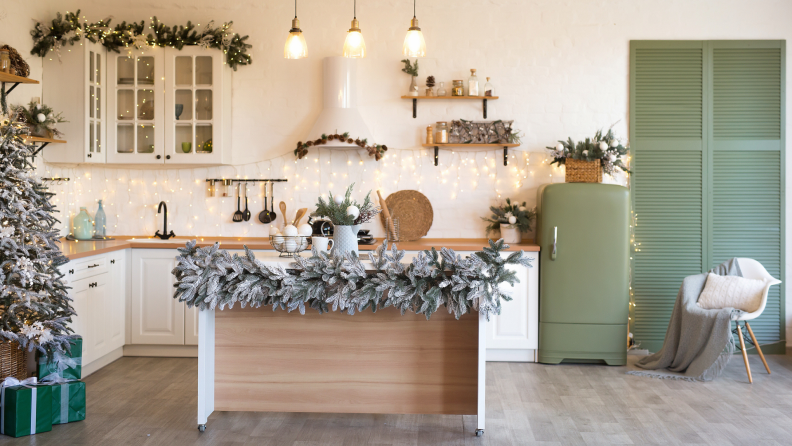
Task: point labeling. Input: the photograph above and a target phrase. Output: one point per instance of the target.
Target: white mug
(321, 243)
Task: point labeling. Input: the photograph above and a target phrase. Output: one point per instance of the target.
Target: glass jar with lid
(458, 88)
(5, 61)
(441, 133)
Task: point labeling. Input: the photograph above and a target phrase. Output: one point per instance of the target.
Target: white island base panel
(263, 361)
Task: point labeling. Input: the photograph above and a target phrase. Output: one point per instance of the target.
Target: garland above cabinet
(159, 106)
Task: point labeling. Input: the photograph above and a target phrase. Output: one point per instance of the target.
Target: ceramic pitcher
(345, 239)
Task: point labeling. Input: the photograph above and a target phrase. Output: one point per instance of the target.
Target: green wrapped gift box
(70, 366)
(68, 402)
(26, 410)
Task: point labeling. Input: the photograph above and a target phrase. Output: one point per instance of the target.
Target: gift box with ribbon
(25, 408)
(67, 366)
(68, 399)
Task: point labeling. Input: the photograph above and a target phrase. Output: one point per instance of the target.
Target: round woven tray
(414, 212)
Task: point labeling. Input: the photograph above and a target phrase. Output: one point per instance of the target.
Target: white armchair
(752, 269)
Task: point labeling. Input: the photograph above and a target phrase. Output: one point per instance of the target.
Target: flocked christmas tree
(34, 304)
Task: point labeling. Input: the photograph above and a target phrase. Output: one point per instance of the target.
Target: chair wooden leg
(745, 355)
(758, 349)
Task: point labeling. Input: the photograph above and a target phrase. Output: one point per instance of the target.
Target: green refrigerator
(584, 233)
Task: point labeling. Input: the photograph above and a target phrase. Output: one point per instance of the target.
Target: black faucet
(164, 235)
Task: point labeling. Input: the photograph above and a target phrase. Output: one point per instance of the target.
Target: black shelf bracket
(436, 155)
(485, 108)
(505, 151)
(415, 108)
(12, 87)
(40, 148)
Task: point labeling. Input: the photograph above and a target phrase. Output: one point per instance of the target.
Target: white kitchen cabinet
(513, 335)
(74, 83)
(157, 318)
(136, 121)
(115, 321)
(98, 297)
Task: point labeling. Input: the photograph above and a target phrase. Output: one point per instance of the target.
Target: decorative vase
(345, 239)
(83, 227)
(510, 233)
(430, 91)
(413, 87)
(441, 91)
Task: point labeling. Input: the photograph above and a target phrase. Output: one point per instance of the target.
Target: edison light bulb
(354, 45)
(295, 47)
(414, 43)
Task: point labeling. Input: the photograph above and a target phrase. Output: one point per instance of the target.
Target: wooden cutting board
(413, 211)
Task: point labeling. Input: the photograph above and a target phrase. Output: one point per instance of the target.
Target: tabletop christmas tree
(34, 304)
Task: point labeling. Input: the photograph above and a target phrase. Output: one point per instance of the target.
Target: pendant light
(354, 45)
(295, 47)
(414, 43)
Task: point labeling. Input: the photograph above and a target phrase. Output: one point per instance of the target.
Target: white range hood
(340, 113)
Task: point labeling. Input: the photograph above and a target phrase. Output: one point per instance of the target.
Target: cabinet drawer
(84, 268)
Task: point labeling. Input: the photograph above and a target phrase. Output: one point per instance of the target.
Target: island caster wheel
(479, 432)
(201, 427)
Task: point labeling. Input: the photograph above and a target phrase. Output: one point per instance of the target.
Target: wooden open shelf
(463, 146)
(483, 100)
(450, 97)
(5, 77)
(43, 141)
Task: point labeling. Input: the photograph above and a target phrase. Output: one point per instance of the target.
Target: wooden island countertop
(79, 249)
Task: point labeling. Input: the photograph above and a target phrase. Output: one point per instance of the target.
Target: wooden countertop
(76, 250)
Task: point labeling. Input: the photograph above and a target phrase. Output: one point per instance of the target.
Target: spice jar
(212, 189)
(226, 188)
(458, 88)
(441, 133)
(429, 135)
(5, 61)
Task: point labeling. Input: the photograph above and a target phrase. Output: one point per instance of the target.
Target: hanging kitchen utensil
(264, 215)
(282, 207)
(272, 214)
(238, 215)
(246, 212)
(299, 216)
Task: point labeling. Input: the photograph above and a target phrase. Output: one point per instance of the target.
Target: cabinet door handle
(159, 157)
(93, 266)
(554, 253)
(89, 155)
(92, 285)
(167, 157)
(71, 271)
(112, 261)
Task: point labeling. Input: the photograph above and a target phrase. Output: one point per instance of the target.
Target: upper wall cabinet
(75, 84)
(163, 106)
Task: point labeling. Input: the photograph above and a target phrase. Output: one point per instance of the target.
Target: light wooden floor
(152, 401)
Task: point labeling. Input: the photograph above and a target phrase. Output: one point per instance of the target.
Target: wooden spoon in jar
(282, 207)
(299, 216)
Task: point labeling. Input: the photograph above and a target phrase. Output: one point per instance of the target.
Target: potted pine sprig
(347, 215)
(40, 118)
(511, 219)
(605, 149)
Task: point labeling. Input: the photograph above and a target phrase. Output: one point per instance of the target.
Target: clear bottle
(441, 133)
(82, 225)
(488, 91)
(100, 223)
(473, 84)
(441, 91)
(5, 61)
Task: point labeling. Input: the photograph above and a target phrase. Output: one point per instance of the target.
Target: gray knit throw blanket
(698, 343)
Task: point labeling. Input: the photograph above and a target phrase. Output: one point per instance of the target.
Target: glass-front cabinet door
(135, 121)
(95, 83)
(193, 106)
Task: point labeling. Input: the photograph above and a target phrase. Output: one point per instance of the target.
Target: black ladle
(264, 215)
(272, 213)
(246, 213)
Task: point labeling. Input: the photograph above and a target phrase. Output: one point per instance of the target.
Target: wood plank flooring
(152, 401)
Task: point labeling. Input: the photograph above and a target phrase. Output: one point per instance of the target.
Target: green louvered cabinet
(707, 138)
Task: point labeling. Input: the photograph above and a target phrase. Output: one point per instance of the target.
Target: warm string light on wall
(414, 43)
(354, 45)
(295, 47)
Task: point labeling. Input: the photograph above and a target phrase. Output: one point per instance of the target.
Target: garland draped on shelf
(69, 30)
(210, 278)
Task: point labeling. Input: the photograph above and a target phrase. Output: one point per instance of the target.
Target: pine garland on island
(34, 302)
(210, 278)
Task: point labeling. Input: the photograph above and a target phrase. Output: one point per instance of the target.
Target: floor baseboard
(172, 351)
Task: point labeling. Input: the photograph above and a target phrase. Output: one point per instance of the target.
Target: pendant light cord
(354, 8)
(295, 9)
(413, 7)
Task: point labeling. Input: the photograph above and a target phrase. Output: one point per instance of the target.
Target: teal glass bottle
(100, 222)
(82, 225)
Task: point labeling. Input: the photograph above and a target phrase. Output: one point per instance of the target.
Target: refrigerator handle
(555, 240)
